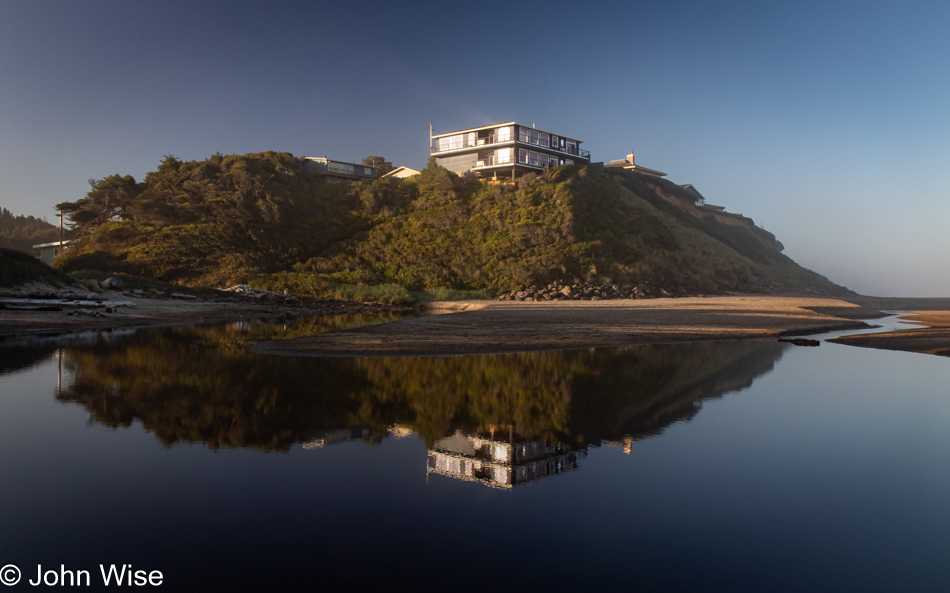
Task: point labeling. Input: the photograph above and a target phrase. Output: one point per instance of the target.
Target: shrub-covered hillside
(258, 219)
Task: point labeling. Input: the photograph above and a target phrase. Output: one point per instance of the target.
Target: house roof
(690, 188)
(638, 168)
(401, 172)
(53, 244)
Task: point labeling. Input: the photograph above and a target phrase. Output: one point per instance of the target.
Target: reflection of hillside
(200, 385)
(668, 384)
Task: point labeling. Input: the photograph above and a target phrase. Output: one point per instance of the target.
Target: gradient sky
(828, 123)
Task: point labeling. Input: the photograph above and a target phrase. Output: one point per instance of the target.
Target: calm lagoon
(732, 466)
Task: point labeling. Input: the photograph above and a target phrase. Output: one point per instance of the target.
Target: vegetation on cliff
(258, 219)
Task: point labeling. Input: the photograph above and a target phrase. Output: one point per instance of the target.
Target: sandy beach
(477, 327)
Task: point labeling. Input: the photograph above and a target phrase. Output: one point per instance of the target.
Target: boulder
(112, 283)
(91, 285)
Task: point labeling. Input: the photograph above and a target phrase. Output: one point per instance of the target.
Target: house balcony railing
(491, 161)
(539, 163)
(466, 143)
(537, 142)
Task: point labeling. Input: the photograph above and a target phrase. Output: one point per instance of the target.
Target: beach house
(507, 149)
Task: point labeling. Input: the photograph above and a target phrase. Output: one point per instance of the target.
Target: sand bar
(932, 338)
(476, 327)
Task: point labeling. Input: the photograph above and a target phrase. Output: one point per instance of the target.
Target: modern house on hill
(504, 150)
(337, 171)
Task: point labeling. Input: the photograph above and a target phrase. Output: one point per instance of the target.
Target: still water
(729, 466)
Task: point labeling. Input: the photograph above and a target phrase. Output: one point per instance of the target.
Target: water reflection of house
(323, 438)
(497, 463)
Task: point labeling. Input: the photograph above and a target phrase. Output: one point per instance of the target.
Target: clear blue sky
(826, 122)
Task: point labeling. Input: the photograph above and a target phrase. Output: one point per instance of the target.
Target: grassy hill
(258, 219)
(18, 268)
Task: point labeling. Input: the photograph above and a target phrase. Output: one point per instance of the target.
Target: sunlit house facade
(507, 149)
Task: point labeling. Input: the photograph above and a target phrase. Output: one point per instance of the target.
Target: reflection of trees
(201, 385)
(16, 358)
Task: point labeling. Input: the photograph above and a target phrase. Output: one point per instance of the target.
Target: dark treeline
(21, 233)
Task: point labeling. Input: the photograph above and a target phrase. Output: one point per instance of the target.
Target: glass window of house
(545, 139)
(552, 161)
(502, 155)
(503, 134)
(554, 141)
(522, 155)
(533, 136)
(533, 158)
(522, 134)
(571, 147)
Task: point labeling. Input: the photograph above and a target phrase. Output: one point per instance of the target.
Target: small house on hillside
(628, 163)
(337, 171)
(504, 150)
(692, 191)
(50, 251)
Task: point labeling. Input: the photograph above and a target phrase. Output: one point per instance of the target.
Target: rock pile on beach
(591, 291)
(587, 291)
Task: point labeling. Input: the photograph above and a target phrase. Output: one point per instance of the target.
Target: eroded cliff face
(678, 197)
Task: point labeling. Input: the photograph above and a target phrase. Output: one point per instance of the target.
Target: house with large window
(336, 171)
(508, 150)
